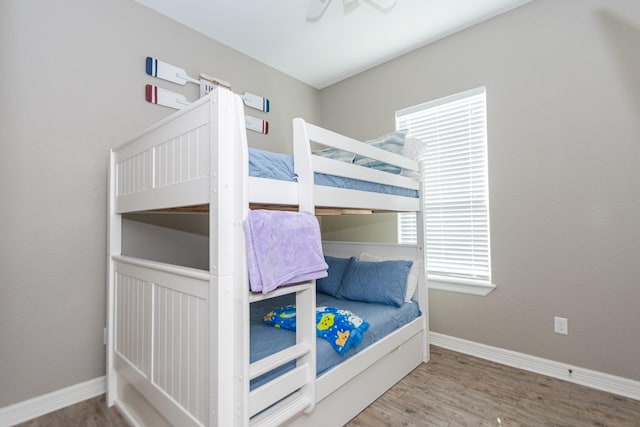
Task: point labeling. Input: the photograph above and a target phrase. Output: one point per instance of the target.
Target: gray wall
(563, 98)
(361, 228)
(72, 86)
(143, 238)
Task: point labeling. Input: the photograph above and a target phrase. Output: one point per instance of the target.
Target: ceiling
(345, 41)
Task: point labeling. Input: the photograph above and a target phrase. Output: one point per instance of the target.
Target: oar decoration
(167, 98)
(173, 74)
(157, 95)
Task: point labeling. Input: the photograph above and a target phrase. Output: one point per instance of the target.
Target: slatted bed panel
(161, 333)
(168, 165)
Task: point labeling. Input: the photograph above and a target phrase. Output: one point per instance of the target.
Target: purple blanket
(283, 248)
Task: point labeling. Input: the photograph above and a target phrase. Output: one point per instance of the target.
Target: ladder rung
(278, 388)
(285, 290)
(282, 411)
(269, 363)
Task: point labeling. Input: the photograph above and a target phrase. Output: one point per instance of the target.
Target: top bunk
(179, 163)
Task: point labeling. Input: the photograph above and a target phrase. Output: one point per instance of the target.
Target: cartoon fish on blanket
(326, 321)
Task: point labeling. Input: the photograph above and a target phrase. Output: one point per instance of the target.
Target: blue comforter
(265, 164)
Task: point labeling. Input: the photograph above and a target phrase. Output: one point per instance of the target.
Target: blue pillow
(330, 285)
(381, 166)
(382, 282)
(392, 142)
(335, 154)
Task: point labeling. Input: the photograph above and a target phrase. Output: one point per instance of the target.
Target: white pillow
(413, 149)
(414, 273)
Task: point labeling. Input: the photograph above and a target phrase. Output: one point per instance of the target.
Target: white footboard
(161, 332)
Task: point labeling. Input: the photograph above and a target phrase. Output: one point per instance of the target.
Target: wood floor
(459, 390)
(451, 390)
(90, 413)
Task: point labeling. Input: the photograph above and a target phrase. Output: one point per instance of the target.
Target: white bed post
(303, 167)
(228, 312)
(242, 309)
(305, 300)
(423, 289)
(114, 236)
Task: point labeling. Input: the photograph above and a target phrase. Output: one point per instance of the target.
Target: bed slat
(281, 412)
(278, 359)
(278, 388)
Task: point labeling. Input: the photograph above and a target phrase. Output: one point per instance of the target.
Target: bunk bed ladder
(230, 400)
(293, 392)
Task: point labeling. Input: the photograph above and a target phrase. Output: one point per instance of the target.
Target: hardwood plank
(90, 413)
(467, 391)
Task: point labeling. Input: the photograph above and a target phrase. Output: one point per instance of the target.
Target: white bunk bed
(178, 337)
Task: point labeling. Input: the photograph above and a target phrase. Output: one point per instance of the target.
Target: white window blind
(407, 229)
(454, 170)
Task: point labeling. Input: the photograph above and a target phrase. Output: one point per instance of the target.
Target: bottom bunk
(161, 344)
(381, 320)
(392, 347)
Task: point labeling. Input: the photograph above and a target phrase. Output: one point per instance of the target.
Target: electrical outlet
(561, 325)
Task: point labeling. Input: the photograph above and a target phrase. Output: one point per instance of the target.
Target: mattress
(266, 164)
(266, 340)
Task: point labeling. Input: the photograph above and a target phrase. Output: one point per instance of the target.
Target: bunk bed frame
(178, 337)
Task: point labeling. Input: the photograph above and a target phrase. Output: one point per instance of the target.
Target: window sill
(479, 289)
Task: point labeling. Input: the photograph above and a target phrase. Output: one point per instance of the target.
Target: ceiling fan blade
(316, 9)
(383, 4)
(349, 5)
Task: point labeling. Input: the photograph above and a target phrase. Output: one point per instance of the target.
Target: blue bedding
(265, 164)
(341, 328)
(266, 340)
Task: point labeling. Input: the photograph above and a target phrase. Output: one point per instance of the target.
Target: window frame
(467, 285)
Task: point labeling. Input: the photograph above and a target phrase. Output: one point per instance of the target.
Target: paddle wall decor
(171, 73)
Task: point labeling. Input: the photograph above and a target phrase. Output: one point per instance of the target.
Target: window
(456, 205)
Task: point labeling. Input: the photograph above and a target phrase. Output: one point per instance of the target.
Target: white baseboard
(586, 377)
(41, 405)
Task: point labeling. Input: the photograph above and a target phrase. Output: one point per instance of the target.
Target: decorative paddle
(257, 125)
(171, 73)
(157, 95)
(167, 98)
(255, 101)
